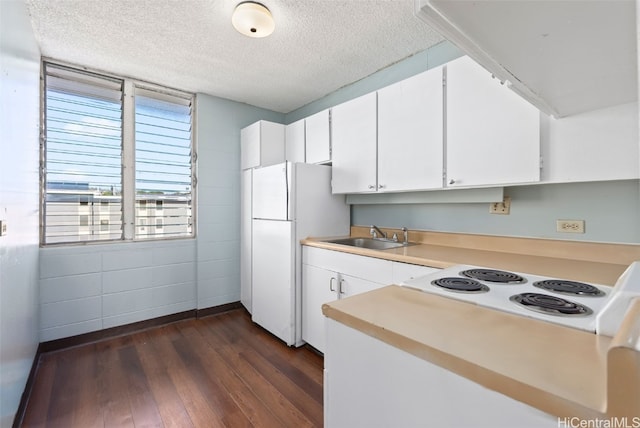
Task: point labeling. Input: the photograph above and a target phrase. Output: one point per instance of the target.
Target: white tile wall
(126, 279)
(173, 274)
(67, 263)
(65, 312)
(127, 259)
(92, 287)
(70, 287)
(129, 317)
(70, 330)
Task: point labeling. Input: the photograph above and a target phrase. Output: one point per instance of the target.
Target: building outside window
(116, 152)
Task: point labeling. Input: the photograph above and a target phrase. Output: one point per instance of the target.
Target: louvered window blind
(83, 148)
(163, 165)
(87, 149)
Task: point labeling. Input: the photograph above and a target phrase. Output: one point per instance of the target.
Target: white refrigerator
(290, 202)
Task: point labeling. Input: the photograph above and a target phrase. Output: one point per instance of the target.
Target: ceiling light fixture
(253, 19)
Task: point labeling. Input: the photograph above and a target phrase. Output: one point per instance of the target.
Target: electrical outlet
(570, 226)
(503, 207)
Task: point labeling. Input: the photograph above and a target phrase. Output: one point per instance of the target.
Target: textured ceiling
(318, 46)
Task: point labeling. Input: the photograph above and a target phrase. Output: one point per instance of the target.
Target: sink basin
(374, 244)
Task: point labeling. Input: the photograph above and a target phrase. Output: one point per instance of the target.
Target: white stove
(586, 306)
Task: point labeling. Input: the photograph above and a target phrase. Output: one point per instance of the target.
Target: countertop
(599, 263)
(559, 370)
(562, 371)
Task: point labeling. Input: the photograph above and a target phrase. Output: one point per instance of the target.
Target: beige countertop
(598, 263)
(559, 370)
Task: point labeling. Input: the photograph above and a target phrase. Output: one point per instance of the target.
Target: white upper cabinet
(353, 138)
(261, 144)
(318, 140)
(295, 142)
(410, 133)
(597, 145)
(492, 134)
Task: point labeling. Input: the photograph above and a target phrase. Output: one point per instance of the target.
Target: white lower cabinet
(330, 275)
(318, 287)
(369, 383)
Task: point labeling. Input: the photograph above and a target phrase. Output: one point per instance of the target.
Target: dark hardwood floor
(217, 371)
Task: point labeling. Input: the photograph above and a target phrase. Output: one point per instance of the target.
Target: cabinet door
(250, 146)
(367, 268)
(294, 144)
(261, 144)
(354, 140)
(593, 146)
(410, 133)
(350, 286)
(319, 286)
(493, 135)
(318, 141)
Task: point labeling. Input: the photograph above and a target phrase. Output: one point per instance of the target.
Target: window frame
(129, 214)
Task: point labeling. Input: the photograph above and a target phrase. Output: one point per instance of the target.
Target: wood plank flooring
(217, 371)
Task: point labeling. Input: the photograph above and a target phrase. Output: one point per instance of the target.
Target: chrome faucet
(374, 232)
(405, 234)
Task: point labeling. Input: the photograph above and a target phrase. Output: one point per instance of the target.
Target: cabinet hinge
(541, 162)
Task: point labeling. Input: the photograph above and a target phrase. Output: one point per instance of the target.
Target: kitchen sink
(374, 244)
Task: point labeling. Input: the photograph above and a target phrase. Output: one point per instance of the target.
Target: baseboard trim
(108, 333)
(214, 310)
(26, 394)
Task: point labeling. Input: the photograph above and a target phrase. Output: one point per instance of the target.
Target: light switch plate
(3, 227)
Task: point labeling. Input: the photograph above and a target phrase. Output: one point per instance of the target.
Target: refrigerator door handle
(289, 183)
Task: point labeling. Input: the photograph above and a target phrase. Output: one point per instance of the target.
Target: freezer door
(273, 301)
(271, 190)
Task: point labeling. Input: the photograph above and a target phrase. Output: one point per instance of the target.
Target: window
(113, 151)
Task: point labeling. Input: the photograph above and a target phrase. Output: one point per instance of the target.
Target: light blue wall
(19, 113)
(86, 288)
(611, 209)
(425, 60)
(218, 243)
